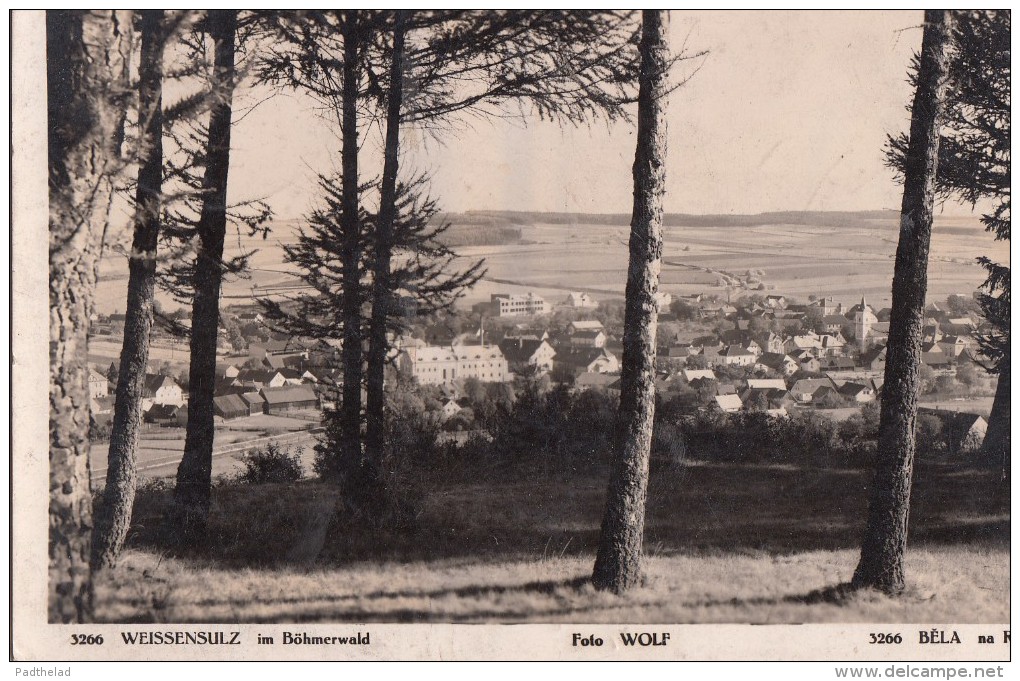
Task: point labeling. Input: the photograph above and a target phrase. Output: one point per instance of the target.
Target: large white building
(507, 305)
(439, 365)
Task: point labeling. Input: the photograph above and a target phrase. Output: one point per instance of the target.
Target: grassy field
(160, 449)
(725, 543)
(844, 258)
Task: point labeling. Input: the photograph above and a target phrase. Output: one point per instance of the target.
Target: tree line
(373, 241)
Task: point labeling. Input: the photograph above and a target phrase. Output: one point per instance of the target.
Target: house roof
(256, 375)
(810, 385)
(274, 361)
(154, 382)
(162, 411)
(766, 383)
(586, 324)
(583, 356)
(835, 319)
(774, 360)
(822, 391)
(729, 402)
(735, 351)
(477, 352)
(935, 358)
(695, 374)
(104, 403)
(230, 404)
(520, 349)
(587, 333)
(285, 394)
(432, 353)
(679, 351)
(836, 363)
(873, 354)
(591, 379)
(852, 389)
(252, 399)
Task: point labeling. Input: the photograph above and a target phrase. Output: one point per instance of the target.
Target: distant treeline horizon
(820, 218)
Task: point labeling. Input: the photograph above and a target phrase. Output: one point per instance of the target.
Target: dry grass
(726, 543)
(949, 584)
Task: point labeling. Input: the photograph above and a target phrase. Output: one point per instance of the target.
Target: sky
(789, 111)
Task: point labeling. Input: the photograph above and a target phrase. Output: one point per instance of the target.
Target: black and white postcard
(365, 334)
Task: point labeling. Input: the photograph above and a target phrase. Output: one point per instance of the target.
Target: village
(761, 353)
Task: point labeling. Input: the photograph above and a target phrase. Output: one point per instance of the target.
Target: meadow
(724, 543)
(845, 255)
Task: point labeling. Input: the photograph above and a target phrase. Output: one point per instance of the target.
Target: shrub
(271, 464)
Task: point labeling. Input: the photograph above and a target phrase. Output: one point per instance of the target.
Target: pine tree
(114, 514)
(618, 563)
(86, 86)
(194, 474)
(885, 538)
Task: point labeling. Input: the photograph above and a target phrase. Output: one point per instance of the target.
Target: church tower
(863, 317)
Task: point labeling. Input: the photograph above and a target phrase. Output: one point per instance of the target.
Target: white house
(160, 389)
(522, 353)
(588, 338)
(99, 386)
(693, 374)
(579, 299)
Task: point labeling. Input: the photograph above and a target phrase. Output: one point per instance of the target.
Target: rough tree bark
(995, 448)
(113, 515)
(194, 475)
(352, 352)
(87, 53)
(381, 294)
(618, 563)
(885, 539)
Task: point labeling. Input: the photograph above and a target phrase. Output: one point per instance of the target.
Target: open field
(160, 449)
(842, 255)
(727, 543)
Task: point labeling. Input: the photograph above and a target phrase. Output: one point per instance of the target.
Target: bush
(271, 464)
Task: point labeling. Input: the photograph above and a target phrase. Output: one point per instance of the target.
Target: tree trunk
(618, 564)
(885, 539)
(381, 293)
(350, 409)
(113, 515)
(86, 70)
(996, 445)
(194, 475)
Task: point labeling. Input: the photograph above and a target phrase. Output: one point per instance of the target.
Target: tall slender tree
(885, 538)
(114, 513)
(86, 70)
(350, 227)
(382, 294)
(194, 475)
(618, 563)
(974, 166)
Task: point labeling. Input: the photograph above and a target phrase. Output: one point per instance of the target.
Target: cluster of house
(279, 377)
(946, 341)
(523, 350)
(163, 400)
